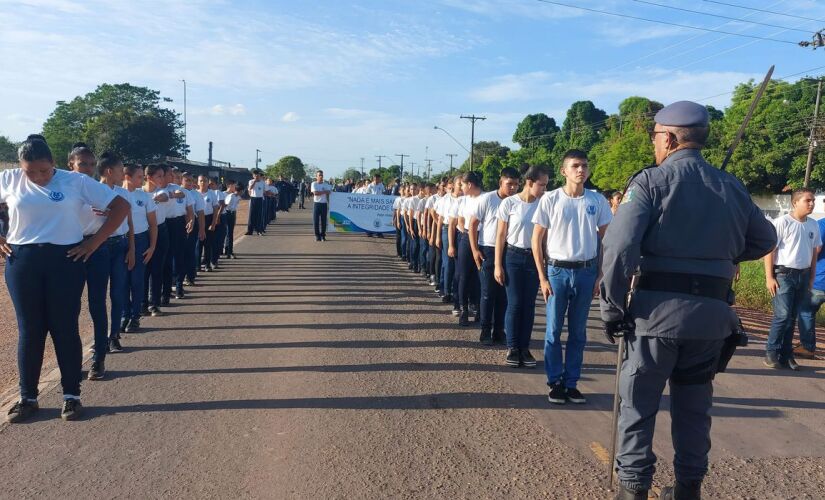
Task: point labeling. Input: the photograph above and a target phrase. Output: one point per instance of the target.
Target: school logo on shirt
(56, 196)
(139, 203)
(811, 235)
(180, 200)
(591, 209)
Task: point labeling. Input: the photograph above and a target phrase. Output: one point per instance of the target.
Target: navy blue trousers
(45, 287)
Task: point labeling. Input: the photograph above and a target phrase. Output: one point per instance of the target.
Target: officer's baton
(615, 422)
(741, 132)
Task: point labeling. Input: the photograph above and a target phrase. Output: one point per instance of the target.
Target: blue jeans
(319, 219)
(153, 277)
(572, 295)
(98, 270)
(45, 287)
(792, 294)
(493, 296)
(118, 282)
(521, 284)
(404, 237)
(467, 273)
(807, 319)
(133, 293)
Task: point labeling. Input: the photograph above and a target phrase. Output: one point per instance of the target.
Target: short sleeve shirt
(572, 223)
(486, 211)
(50, 213)
(256, 188)
(518, 214)
(320, 186)
(797, 241)
(142, 206)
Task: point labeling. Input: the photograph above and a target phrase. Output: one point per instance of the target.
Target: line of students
(489, 254)
(135, 235)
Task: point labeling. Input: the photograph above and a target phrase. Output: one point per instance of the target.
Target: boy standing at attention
(789, 275)
(572, 219)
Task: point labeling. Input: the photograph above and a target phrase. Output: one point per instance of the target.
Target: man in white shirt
(789, 275)
(256, 203)
(320, 207)
(483, 226)
(376, 186)
(573, 219)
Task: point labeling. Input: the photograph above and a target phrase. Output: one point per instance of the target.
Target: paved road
(325, 369)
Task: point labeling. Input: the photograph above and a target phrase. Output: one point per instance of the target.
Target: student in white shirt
(176, 221)
(446, 239)
(420, 220)
(320, 208)
(434, 231)
(198, 233)
(219, 219)
(402, 218)
(396, 222)
(155, 177)
(789, 274)
(270, 201)
(515, 267)
(466, 270)
(483, 223)
(412, 227)
(145, 226)
(256, 190)
(233, 198)
(574, 220)
(45, 265)
(376, 187)
(210, 200)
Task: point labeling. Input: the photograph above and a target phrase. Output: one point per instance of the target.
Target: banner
(361, 213)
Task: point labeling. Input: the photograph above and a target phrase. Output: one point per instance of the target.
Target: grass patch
(752, 293)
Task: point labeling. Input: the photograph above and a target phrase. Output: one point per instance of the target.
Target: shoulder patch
(628, 197)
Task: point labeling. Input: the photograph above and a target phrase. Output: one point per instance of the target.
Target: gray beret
(683, 114)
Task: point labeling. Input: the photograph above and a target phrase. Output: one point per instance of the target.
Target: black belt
(523, 251)
(700, 285)
(110, 239)
(577, 264)
(788, 270)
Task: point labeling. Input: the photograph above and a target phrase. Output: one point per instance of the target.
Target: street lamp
(436, 127)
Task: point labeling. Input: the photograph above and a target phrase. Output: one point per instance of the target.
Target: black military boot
(682, 491)
(499, 338)
(625, 493)
(464, 318)
(486, 337)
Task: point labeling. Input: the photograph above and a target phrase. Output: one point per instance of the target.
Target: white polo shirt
(162, 208)
(50, 213)
(375, 188)
(796, 241)
(487, 214)
(196, 200)
(92, 220)
(142, 206)
(256, 188)
(572, 223)
(177, 205)
(396, 203)
(210, 199)
(232, 202)
(518, 214)
(320, 186)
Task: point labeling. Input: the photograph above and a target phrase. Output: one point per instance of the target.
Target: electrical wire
(720, 16)
(667, 23)
(765, 11)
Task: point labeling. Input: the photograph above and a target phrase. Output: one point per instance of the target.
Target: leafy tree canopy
(290, 167)
(8, 150)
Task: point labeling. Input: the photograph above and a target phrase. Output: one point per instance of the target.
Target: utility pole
(379, 159)
(185, 145)
(402, 156)
(412, 168)
(362, 167)
(473, 119)
(812, 138)
(429, 168)
(451, 155)
(257, 157)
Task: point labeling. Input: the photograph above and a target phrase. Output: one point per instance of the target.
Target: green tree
(538, 130)
(352, 173)
(8, 150)
(290, 167)
(581, 129)
(126, 119)
(481, 151)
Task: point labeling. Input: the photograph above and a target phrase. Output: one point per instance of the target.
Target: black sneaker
(165, 301)
(134, 326)
(179, 294)
(124, 324)
(558, 394)
(97, 371)
(234, 256)
(209, 269)
(187, 282)
(771, 361)
(21, 411)
(486, 337)
(513, 358)
(72, 409)
(791, 364)
(574, 396)
(155, 311)
(456, 311)
(145, 310)
(527, 359)
(463, 319)
(499, 338)
(114, 346)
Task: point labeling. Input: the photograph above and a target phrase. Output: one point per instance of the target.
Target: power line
(668, 23)
(698, 35)
(765, 11)
(720, 16)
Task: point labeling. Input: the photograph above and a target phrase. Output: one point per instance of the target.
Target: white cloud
(290, 117)
(237, 110)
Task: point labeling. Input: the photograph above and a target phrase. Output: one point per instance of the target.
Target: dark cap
(683, 114)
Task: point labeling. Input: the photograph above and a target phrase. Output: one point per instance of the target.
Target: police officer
(684, 225)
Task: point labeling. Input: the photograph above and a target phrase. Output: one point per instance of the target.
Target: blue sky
(334, 81)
